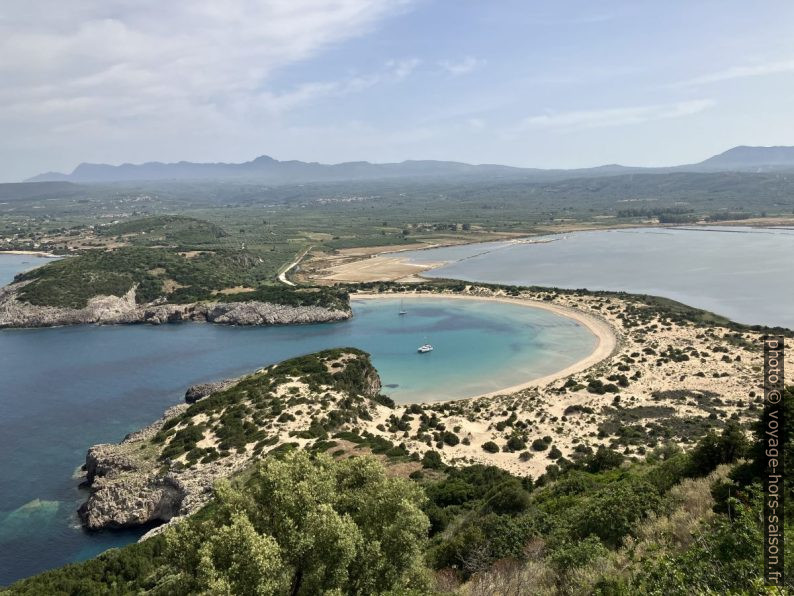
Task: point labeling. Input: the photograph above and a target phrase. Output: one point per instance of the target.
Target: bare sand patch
(380, 268)
(383, 263)
(234, 290)
(366, 251)
(32, 253)
(192, 254)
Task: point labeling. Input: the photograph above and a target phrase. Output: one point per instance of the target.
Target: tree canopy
(306, 525)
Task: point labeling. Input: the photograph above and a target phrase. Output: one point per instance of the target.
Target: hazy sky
(549, 84)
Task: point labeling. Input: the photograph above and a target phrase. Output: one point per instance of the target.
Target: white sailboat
(425, 349)
(402, 308)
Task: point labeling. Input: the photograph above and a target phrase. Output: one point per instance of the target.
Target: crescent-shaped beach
(606, 337)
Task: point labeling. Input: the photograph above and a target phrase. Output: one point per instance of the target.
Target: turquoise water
(742, 273)
(65, 389)
(62, 390)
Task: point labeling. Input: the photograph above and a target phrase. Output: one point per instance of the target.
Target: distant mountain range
(269, 170)
(745, 158)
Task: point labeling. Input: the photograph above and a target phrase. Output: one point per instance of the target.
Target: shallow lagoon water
(62, 390)
(68, 388)
(742, 273)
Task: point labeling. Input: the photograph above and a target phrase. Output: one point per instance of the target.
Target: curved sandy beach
(606, 337)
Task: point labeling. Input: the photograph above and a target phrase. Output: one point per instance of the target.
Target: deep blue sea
(62, 390)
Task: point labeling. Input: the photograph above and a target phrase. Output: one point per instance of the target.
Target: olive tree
(306, 525)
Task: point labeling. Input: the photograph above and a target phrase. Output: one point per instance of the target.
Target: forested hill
(165, 268)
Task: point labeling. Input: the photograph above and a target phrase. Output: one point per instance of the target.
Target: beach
(32, 253)
(606, 338)
(669, 379)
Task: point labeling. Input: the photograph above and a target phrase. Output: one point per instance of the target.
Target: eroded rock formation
(154, 475)
(109, 310)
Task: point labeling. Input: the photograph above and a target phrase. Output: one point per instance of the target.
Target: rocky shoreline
(128, 490)
(115, 310)
(133, 485)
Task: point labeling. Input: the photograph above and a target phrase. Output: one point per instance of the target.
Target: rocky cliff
(168, 469)
(108, 310)
(196, 392)
(131, 488)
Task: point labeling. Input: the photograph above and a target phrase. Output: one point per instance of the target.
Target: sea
(65, 389)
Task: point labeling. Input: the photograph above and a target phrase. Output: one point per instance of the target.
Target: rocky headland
(109, 310)
(169, 468)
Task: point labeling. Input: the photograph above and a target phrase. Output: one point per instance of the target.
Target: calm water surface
(745, 274)
(10, 265)
(62, 390)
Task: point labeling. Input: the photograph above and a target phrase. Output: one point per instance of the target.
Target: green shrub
(613, 512)
(539, 445)
(516, 443)
(507, 498)
(490, 447)
(432, 459)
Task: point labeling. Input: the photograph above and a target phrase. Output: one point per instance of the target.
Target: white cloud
(740, 72)
(111, 69)
(394, 71)
(461, 67)
(400, 69)
(616, 116)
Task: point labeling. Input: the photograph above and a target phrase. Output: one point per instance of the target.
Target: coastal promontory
(135, 284)
(168, 469)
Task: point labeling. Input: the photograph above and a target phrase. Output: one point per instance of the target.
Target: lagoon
(742, 273)
(11, 264)
(65, 389)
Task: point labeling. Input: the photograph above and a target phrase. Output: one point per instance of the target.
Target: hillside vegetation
(172, 230)
(161, 274)
(300, 522)
(329, 385)
(170, 259)
(278, 221)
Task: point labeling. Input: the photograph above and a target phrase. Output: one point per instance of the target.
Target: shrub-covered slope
(164, 275)
(678, 523)
(168, 468)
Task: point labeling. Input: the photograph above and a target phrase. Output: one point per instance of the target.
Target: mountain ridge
(745, 156)
(266, 168)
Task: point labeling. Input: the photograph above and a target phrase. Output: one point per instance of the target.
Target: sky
(552, 84)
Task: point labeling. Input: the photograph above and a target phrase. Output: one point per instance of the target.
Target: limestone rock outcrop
(109, 310)
(202, 390)
(168, 469)
(129, 489)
